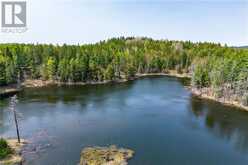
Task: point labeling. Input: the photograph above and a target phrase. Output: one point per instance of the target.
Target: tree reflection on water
(225, 122)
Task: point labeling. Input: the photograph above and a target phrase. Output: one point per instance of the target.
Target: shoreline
(15, 157)
(9, 90)
(41, 83)
(203, 95)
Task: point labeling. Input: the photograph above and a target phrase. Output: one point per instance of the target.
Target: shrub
(5, 150)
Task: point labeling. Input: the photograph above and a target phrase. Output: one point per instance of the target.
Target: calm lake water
(156, 117)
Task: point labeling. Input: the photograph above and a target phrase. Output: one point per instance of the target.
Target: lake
(157, 117)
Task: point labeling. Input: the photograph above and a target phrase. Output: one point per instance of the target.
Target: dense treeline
(223, 69)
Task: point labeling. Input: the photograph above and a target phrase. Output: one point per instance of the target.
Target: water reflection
(225, 122)
(157, 117)
(68, 94)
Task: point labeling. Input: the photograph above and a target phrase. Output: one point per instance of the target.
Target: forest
(223, 69)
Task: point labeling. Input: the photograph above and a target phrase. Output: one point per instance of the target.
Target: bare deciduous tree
(12, 108)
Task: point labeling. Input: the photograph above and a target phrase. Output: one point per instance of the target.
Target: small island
(105, 155)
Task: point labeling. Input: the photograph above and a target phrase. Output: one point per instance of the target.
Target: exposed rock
(14, 158)
(36, 83)
(208, 93)
(9, 90)
(105, 156)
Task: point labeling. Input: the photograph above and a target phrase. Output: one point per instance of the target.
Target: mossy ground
(105, 156)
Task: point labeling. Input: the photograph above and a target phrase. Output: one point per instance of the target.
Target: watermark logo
(14, 16)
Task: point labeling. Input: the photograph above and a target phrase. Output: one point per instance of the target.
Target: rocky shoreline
(41, 83)
(206, 93)
(16, 157)
(9, 90)
(29, 83)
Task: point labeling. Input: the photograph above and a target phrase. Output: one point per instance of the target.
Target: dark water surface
(156, 117)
